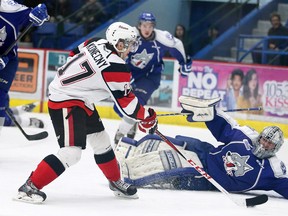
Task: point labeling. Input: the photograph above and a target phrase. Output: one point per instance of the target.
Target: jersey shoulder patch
(165, 38)
(10, 6)
(278, 167)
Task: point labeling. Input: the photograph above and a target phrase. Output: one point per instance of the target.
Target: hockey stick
(244, 202)
(230, 110)
(17, 39)
(38, 136)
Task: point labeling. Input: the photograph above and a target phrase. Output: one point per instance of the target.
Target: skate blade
(34, 199)
(119, 194)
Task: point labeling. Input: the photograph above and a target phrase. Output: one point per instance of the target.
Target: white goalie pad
(124, 150)
(150, 157)
(154, 162)
(201, 109)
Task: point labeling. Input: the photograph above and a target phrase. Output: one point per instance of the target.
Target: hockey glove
(39, 15)
(186, 68)
(202, 110)
(3, 62)
(149, 124)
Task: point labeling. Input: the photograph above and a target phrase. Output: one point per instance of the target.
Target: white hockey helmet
(271, 134)
(122, 32)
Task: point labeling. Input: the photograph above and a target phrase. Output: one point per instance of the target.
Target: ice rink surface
(83, 191)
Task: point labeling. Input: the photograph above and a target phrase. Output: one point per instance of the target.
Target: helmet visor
(130, 44)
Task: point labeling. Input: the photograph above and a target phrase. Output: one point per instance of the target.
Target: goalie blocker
(202, 110)
(150, 163)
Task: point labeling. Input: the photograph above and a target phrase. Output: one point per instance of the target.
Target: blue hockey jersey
(12, 17)
(149, 56)
(233, 164)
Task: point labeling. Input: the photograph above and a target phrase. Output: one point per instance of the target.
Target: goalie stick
(244, 202)
(38, 136)
(229, 110)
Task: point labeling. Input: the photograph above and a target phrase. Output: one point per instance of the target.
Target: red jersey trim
(69, 103)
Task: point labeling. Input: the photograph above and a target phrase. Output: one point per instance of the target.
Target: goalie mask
(122, 32)
(268, 142)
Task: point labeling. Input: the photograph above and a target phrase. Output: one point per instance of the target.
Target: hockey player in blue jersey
(13, 17)
(245, 160)
(147, 64)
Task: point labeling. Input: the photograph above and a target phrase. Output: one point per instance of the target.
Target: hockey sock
(47, 170)
(108, 164)
(126, 125)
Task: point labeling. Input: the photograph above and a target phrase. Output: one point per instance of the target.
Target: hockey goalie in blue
(245, 160)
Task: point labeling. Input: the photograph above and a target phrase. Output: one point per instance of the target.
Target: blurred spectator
(91, 15)
(58, 9)
(180, 33)
(277, 29)
(213, 33)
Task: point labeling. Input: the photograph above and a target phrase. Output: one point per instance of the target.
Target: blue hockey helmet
(147, 17)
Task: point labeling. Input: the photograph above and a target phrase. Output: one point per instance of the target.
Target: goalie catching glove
(201, 110)
(149, 124)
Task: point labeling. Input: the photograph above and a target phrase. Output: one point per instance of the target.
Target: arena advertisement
(28, 79)
(239, 86)
(164, 96)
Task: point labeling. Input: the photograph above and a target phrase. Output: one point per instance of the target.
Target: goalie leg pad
(137, 171)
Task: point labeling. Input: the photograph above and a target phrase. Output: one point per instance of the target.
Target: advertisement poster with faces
(239, 86)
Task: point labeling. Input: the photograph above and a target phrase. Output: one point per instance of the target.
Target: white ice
(83, 191)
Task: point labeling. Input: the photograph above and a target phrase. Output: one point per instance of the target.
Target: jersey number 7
(87, 72)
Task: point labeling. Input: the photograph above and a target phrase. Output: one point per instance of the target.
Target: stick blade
(258, 200)
(39, 136)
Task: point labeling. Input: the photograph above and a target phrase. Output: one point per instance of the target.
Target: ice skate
(30, 194)
(34, 122)
(122, 189)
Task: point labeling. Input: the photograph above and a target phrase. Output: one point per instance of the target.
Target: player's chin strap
(244, 202)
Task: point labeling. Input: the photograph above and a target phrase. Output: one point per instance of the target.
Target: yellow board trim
(109, 113)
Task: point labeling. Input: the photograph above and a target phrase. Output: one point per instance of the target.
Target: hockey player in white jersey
(97, 72)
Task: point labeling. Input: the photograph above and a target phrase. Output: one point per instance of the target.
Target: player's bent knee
(69, 155)
(100, 142)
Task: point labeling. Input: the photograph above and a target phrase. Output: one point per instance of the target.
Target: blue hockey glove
(186, 68)
(39, 15)
(3, 62)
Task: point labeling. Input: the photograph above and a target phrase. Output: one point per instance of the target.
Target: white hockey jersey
(92, 75)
